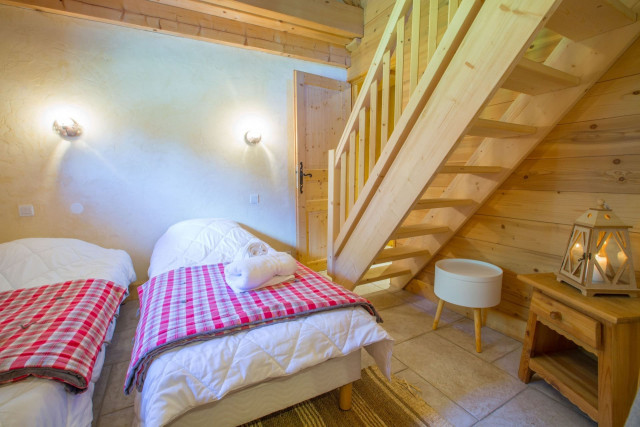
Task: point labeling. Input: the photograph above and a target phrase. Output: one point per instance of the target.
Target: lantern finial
(602, 205)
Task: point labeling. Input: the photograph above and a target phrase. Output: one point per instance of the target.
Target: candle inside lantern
(576, 253)
(621, 258)
(602, 260)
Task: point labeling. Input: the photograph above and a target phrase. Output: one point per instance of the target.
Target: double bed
(37, 262)
(242, 376)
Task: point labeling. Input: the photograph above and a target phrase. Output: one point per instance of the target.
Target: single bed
(36, 262)
(240, 377)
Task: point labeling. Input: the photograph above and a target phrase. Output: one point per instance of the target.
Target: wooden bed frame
(254, 402)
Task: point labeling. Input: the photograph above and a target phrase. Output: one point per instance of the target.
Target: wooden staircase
(397, 150)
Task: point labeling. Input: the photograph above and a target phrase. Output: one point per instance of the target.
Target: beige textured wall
(163, 133)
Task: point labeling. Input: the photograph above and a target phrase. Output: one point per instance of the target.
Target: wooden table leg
(438, 313)
(345, 396)
(477, 321)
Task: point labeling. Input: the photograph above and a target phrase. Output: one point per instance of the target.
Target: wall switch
(26, 210)
(254, 199)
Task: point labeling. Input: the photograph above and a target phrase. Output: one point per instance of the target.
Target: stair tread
(497, 129)
(413, 230)
(470, 169)
(383, 272)
(400, 252)
(440, 203)
(534, 78)
(583, 19)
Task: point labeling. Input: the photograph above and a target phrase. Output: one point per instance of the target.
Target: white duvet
(203, 372)
(29, 263)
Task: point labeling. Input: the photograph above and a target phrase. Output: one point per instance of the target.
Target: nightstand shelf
(574, 374)
(588, 348)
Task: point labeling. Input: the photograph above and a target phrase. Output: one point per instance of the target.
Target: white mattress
(29, 263)
(204, 372)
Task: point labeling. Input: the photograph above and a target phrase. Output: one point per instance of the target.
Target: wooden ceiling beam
(328, 16)
(209, 8)
(146, 15)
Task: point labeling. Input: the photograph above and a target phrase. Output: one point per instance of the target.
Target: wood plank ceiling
(313, 30)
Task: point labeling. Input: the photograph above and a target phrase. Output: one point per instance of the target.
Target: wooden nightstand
(588, 348)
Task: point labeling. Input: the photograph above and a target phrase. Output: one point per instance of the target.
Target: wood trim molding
(150, 16)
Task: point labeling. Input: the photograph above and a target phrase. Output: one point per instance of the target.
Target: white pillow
(197, 242)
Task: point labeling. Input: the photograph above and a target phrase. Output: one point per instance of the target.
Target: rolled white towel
(256, 272)
(254, 247)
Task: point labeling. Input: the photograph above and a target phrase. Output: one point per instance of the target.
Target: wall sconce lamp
(252, 137)
(67, 127)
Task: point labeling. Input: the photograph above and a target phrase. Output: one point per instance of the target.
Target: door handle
(301, 176)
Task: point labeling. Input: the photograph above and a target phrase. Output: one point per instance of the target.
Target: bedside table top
(611, 309)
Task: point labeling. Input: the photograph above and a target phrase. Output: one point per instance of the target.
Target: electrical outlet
(254, 199)
(26, 210)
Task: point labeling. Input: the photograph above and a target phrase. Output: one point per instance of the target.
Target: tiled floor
(465, 387)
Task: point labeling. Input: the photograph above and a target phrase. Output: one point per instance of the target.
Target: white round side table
(468, 283)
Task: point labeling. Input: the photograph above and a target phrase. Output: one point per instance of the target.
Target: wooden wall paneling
(601, 137)
(464, 150)
(374, 9)
(544, 237)
(607, 174)
(611, 98)
(559, 207)
(520, 261)
(627, 65)
(537, 236)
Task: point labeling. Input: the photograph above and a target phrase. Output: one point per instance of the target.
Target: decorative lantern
(598, 257)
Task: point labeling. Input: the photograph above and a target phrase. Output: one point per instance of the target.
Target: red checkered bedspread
(195, 304)
(56, 331)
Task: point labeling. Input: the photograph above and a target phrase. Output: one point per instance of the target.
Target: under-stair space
(441, 122)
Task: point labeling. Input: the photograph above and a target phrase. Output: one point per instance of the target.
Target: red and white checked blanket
(195, 304)
(56, 331)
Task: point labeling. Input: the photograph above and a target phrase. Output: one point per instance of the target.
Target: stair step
(470, 169)
(496, 129)
(440, 203)
(399, 252)
(414, 230)
(582, 19)
(534, 78)
(383, 272)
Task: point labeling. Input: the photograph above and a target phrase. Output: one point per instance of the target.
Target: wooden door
(322, 107)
